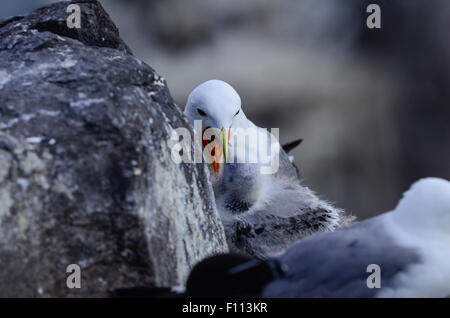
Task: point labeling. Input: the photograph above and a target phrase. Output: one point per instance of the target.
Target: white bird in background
(262, 213)
(411, 246)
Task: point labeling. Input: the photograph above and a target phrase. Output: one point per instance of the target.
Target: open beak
(217, 150)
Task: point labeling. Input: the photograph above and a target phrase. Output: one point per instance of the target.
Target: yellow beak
(224, 134)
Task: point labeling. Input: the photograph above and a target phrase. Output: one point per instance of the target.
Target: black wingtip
(287, 147)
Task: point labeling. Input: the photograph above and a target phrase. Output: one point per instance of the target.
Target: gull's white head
(425, 207)
(217, 105)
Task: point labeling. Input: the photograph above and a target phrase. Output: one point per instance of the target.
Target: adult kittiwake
(410, 247)
(258, 192)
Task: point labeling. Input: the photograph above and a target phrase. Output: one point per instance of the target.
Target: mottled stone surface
(86, 175)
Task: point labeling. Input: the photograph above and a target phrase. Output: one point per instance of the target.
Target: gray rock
(86, 175)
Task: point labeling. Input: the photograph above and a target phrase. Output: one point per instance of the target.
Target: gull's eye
(201, 112)
(237, 113)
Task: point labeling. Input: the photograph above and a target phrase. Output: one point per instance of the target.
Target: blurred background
(371, 105)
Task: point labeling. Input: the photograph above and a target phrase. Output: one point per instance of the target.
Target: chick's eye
(201, 112)
(237, 112)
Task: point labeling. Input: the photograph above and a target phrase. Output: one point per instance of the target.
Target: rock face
(86, 175)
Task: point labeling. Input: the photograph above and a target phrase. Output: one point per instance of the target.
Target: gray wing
(334, 264)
